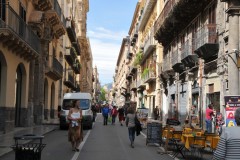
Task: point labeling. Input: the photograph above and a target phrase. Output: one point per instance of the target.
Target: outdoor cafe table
(188, 139)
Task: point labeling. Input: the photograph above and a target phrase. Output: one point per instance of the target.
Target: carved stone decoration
(36, 22)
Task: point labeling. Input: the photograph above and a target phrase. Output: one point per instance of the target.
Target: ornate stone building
(40, 58)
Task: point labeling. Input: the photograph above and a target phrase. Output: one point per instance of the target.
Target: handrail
(11, 20)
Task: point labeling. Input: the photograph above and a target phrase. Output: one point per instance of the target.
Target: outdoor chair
(209, 139)
(176, 144)
(198, 146)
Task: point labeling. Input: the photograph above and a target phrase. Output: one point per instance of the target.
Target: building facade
(40, 59)
(183, 53)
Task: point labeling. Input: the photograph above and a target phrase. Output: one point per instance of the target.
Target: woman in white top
(74, 131)
(229, 145)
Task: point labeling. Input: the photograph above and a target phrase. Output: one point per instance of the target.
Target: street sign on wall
(231, 104)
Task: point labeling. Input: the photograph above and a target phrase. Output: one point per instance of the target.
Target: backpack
(114, 112)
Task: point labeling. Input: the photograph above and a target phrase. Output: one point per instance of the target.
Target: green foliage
(102, 95)
(145, 72)
(138, 58)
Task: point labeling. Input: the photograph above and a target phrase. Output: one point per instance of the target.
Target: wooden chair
(198, 146)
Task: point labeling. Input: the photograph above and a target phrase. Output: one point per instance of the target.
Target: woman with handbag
(74, 131)
(130, 123)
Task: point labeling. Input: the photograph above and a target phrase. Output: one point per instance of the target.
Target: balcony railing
(69, 80)
(71, 31)
(166, 63)
(150, 43)
(54, 68)
(149, 77)
(165, 12)
(11, 21)
(175, 57)
(206, 42)
(206, 34)
(70, 56)
(186, 49)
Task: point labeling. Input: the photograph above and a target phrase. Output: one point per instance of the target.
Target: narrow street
(102, 142)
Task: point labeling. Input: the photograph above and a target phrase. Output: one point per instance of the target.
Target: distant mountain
(108, 86)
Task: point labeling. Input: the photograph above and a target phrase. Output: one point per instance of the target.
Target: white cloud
(105, 46)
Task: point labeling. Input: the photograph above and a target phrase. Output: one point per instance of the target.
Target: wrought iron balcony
(76, 67)
(148, 8)
(149, 45)
(206, 42)
(187, 57)
(16, 35)
(70, 56)
(166, 65)
(175, 16)
(177, 65)
(76, 45)
(149, 76)
(71, 31)
(69, 80)
(54, 68)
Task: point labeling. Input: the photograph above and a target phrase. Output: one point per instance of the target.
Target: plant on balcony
(138, 58)
(145, 72)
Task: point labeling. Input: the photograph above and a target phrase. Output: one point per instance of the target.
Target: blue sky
(108, 22)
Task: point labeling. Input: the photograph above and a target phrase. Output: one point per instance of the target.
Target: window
(212, 14)
(22, 11)
(2, 9)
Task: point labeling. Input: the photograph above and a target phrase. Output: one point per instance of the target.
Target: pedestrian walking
(114, 113)
(74, 131)
(94, 110)
(105, 112)
(208, 118)
(229, 144)
(156, 113)
(130, 123)
(121, 115)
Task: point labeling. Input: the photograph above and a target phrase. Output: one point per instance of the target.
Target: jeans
(209, 125)
(131, 133)
(113, 119)
(105, 119)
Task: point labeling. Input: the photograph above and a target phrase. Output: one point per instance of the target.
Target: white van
(85, 104)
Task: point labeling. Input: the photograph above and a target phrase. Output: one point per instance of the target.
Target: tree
(102, 95)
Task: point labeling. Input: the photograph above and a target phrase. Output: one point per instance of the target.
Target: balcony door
(2, 10)
(18, 91)
(52, 100)
(22, 14)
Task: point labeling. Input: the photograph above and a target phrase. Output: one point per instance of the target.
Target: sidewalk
(7, 140)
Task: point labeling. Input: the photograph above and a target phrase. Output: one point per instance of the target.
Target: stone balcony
(17, 36)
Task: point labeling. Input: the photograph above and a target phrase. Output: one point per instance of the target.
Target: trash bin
(28, 147)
